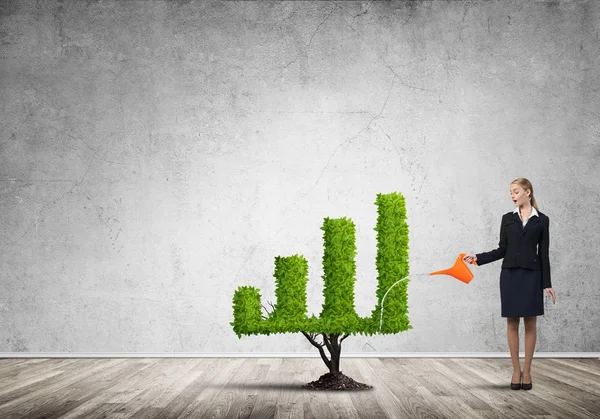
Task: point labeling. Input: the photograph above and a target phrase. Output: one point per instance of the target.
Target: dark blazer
(519, 245)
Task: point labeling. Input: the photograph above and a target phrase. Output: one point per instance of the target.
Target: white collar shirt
(534, 213)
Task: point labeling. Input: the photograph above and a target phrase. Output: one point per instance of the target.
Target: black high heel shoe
(528, 386)
(517, 386)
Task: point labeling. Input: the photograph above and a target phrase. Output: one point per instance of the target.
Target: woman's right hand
(469, 258)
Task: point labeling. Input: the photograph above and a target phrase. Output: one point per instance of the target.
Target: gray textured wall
(154, 156)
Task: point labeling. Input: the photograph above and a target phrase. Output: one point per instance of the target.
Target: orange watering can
(460, 270)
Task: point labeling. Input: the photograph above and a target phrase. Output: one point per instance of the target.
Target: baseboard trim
(291, 355)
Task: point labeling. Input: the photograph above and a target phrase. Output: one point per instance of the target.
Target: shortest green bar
(246, 311)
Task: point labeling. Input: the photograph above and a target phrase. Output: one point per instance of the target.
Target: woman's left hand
(550, 292)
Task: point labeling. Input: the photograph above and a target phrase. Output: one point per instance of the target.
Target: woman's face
(518, 194)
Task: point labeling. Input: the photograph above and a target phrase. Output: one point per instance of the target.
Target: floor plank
(235, 388)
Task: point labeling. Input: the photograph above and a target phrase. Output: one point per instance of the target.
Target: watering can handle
(462, 255)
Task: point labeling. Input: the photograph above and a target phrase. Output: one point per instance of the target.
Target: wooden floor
(271, 387)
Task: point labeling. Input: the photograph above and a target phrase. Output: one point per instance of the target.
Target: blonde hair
(526, 184)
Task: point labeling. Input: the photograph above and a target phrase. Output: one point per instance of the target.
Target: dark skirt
(521, 292)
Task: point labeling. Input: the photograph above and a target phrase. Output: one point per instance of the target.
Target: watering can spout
(459, 271)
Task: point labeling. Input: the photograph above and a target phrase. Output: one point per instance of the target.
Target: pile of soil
(336, 381)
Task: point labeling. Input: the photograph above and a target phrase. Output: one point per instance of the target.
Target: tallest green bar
(392, 263)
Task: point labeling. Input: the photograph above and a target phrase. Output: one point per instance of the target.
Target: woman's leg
(530, 338)
(512, 333)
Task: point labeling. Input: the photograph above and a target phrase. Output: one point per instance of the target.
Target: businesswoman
(524, 242)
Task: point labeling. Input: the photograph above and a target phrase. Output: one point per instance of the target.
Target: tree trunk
(334, 379)
(335, 348)
(335, 363)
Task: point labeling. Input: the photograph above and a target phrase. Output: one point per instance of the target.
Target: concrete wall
(156, 155)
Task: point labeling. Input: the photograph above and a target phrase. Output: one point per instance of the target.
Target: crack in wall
(348, 140)
(381, 58)
(309, 43)
(320, 24)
